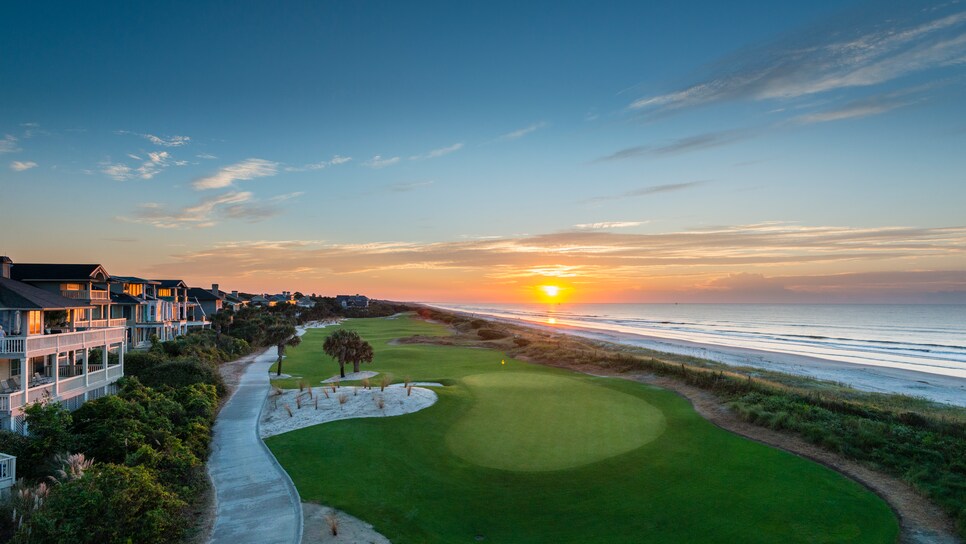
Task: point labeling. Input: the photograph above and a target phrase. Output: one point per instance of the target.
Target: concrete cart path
(256, 500)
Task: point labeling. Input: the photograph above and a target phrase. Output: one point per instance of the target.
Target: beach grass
(519, 452)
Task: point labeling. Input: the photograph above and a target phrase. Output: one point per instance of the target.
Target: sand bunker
(358, 402)
(352, 376)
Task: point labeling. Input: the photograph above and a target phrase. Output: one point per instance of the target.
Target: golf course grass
(518, 452)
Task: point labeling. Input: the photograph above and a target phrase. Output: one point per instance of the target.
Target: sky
(475, 151)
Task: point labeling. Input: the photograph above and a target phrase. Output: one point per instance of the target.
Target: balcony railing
(43, 387)
(33, 346)
(85, 295)
(100, 323)
(8, 470)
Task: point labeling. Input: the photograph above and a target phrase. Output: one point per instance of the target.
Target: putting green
(530, 422)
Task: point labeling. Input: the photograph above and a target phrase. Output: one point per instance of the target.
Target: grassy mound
(531, 422)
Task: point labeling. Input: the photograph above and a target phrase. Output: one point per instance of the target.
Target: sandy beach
(879, 379)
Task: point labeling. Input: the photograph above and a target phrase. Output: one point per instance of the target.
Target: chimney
(234, 293)
(214, 289)
(5, 264)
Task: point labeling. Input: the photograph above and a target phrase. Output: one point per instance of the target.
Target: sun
(550, 290)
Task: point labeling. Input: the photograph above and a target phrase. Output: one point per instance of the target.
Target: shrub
(521, 342)
(491, 334)
(180, 373)
(109, 504)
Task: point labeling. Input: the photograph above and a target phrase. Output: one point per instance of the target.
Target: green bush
(178, 373)
(110, 504)
(491, 334)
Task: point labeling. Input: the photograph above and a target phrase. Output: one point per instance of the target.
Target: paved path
(256, 501)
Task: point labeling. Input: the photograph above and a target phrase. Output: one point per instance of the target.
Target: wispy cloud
(379, 162)
(520, 133)
(156, 162)
(604, 225)
(8, 144)
(200, 215)
(206, 156)
(334, 161)
(165, 141)
(242, 171)
(438, 152)
(287, 196)
(866, 49)
(409, 186)
(708, 260)
(18, 166)
(650, 190)
(689, 144)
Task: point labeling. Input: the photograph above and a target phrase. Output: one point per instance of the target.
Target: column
(24, 380)
(55, 388)
(87, 378)
(120, 356)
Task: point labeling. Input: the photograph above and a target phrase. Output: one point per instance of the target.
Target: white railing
(33, 346)
(8, 471)
(91, 323)
(85, 295)
(118, 322)
(114, 372)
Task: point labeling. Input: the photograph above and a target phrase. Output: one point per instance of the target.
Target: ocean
(923, 338)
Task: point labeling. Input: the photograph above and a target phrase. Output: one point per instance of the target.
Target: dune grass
(429, 476)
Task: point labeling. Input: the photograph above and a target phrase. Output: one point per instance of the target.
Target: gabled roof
(15, 295)
(56, 272)
(172, 283)
(124, 298)
(133, 279)
(201, 294)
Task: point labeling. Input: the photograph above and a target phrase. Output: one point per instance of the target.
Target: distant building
(305, 302)
(352, 301)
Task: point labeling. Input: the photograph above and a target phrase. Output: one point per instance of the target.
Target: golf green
(531, 422)
(520, 452)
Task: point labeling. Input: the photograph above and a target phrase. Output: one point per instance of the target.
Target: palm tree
(281, 335)
(347, 346)
(221, 321)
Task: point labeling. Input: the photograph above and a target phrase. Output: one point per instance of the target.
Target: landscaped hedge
(150, 442)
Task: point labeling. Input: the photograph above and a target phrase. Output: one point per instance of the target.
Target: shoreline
(875, 379)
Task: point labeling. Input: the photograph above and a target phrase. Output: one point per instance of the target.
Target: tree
(347, 346)
(282, 334)
(221, 321)
(108, 504)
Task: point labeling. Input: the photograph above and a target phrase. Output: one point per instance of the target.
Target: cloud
(334, 161)
(8, 144)
(609, 225)
(233, 204)
(286, 196)
(207, 156)
(863, 49)
(520, 133)
(683, 145)
(438, 152)
(150, 167)
(165, 141)
(650, 190)
(18, 166)
(379, 162)
(698, 256)
(410, 186)
(246, 170)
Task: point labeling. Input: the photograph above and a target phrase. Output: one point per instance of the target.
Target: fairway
(529, 422)
(533, 454)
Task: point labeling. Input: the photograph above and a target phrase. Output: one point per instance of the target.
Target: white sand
(352, 376)
(359, 403)
(352, 530)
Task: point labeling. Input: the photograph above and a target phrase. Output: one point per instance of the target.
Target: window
(14, 367)
(134, 289)
(164, 292)
(35, 323)
(71, 287)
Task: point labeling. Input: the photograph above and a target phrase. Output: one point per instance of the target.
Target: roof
(124, 298)
(201, 294)
(16, 295)
(133, 279)
(52, 272)
(171, 283)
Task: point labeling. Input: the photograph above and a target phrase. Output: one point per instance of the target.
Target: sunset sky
(456, 151)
